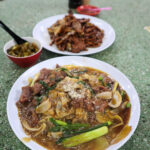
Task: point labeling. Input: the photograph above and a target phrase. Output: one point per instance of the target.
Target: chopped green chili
(101, 79)
(128, 105)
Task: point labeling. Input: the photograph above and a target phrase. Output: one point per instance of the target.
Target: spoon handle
(106, 8)
(99, 9)
(11, 33)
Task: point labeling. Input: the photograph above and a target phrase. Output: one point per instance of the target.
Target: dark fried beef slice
(44, 74)
(26, 94)
(37, 88)
(78, 45)
(77, 26)
(83, 21)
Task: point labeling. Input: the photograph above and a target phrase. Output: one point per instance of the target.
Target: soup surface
(72, 107)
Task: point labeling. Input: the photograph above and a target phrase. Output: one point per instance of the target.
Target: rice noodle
(43, 107)
(27, 127)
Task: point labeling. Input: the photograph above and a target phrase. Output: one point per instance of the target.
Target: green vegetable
(84, 130)
(74, 77)
(128, 105)
(109, 85)
(85, 137)
(123, 94)
(62, 123)
(82, 82)
(101, 79)
(68, 73)
(47, 88)
(95, 127)
(54, 121)
(80, 72)
(66, 128)
(44, 84)
(64, 69)
(69, 128)
(39, 99)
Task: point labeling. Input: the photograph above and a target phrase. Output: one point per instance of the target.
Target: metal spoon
(18, 39)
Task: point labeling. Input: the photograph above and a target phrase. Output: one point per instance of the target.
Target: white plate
(15, 93)
(40, 32)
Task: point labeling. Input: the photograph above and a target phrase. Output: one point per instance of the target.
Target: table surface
(130, 54)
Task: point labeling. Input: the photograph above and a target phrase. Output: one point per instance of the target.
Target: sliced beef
(100, 105)
(27, 111)
(50, 77)
(83, 21)
(88, 105)
(37, 88)
(78, 45)
(77, 103)
(34, 119)
(59, 75)
(77, 26)
(26, 94)
(44, 74)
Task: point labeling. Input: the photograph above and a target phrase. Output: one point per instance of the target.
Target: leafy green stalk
(84, 137)
(84, 130)
(68, 73)
(66, 128)
(80, 72)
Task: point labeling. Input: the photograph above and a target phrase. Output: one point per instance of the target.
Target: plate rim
(70, 53)
(80, 57)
